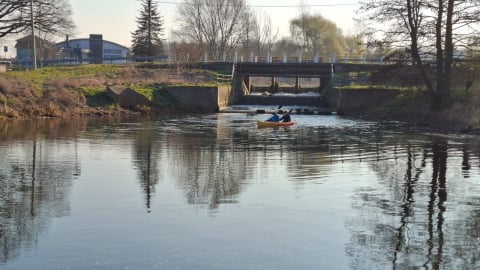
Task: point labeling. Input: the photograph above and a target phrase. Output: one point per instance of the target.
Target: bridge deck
(284, 69)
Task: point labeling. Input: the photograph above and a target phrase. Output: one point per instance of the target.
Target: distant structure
(44, 49)
(75, 51)
(94, 50)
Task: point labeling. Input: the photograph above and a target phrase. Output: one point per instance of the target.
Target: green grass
(96, 96)
(407, 101)
(157, 94)
(91, 91)
(68, 72)
(37, 78)
(146, 89)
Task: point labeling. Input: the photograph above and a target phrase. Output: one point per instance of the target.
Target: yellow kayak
(274, 124)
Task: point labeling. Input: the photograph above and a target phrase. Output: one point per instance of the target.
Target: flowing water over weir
(216, 192)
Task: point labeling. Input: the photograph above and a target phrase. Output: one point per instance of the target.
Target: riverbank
(81, 91)
(461, 117)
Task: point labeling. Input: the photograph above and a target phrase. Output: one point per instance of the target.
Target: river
(216, 192)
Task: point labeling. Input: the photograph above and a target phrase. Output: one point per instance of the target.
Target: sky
(115, 19)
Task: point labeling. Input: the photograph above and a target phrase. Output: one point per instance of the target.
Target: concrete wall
(127, 97)
(201, 99)
(350, 101)
(224, 96)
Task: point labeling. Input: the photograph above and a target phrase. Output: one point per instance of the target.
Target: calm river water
(216, 192)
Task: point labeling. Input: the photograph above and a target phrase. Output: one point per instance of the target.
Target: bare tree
(50, 16)
(432, 29)
(264, 33)
(217, 23)
(13, 17)
(54, 16)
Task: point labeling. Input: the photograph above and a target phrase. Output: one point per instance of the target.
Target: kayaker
(274, 118)
(286, 117)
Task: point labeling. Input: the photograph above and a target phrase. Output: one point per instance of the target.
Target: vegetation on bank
(413, 105)
(81, 90)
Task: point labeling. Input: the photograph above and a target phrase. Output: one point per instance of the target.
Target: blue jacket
(274, 118)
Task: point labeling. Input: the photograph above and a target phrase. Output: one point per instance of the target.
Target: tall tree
(432, 29)
(216, 23)
(354, 45)
(50, 16)
(53, 17)
(314, 33)
(147, 39)
(264, 33)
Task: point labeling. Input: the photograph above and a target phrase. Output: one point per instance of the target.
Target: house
(44, 50)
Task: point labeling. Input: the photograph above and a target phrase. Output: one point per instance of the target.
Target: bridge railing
(223, 78)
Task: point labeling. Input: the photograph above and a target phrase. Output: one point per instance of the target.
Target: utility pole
(33, 36)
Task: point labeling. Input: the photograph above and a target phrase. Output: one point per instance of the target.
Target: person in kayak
(274, 118)
(286, 117)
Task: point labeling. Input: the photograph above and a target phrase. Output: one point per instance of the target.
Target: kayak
(274, 124)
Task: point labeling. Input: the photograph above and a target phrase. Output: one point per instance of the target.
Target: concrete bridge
(244, 73)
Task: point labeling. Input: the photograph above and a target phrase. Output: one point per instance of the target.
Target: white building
(92, 50)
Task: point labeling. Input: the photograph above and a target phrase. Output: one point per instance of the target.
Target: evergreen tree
(147, 38)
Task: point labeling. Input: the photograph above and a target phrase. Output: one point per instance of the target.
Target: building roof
(87, 40)
(26, 41)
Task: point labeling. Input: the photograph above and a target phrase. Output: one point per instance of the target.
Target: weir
(327, 96)
(245, 73)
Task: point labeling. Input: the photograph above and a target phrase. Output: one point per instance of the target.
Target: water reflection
(209, 165)
(36, 175)
(416, 204)
(145, 159)
(402, 219)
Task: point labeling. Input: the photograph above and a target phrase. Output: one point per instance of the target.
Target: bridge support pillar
(248, 83)
(323, 84)
(297, 83)
(273, 86)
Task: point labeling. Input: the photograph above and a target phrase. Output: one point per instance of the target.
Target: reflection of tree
(146, 162)
(465, 161)
(402, 223)
(212, 173)
(210, 163)
(467, 245)
(438, 189)
(35, 178)
(49, 128)
(407, 204)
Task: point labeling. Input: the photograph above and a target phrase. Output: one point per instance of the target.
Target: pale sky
(115, 19)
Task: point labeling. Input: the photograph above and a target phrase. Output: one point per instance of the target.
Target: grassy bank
(413, 106)
(81, 90)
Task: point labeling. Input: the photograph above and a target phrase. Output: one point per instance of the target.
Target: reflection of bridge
(244, 72)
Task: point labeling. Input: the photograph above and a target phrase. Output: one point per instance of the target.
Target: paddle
(278, 108)
(275, 117)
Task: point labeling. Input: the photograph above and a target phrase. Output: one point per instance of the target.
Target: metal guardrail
(223, 78)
